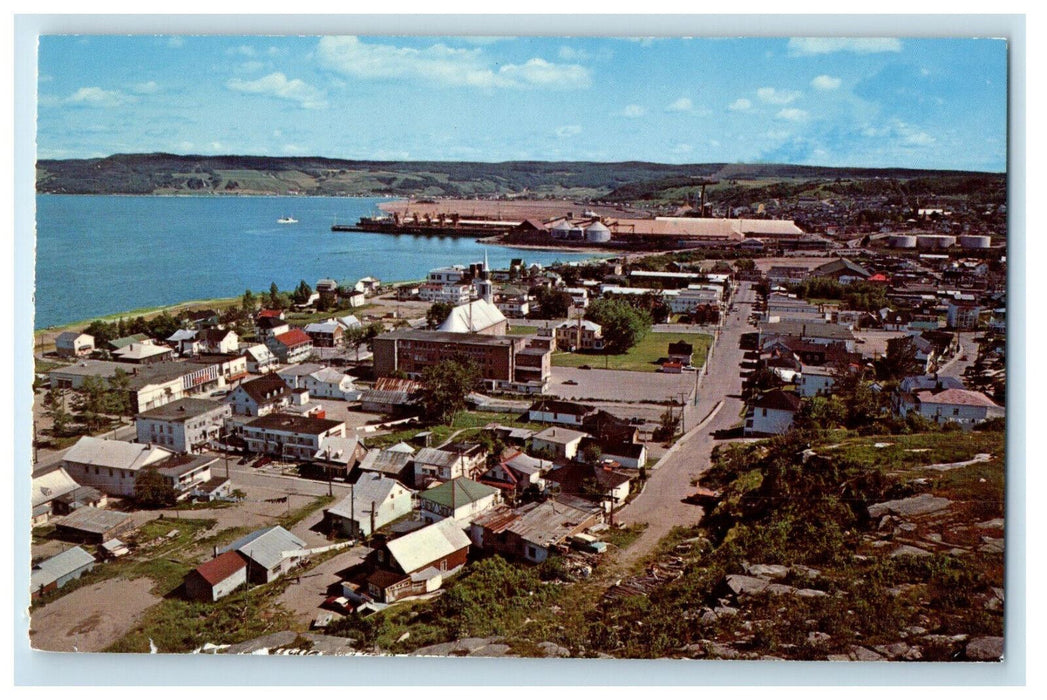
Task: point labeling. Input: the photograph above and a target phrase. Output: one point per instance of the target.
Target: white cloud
(740, 105)
(682, 104)
(569, 130)
(792, 114)
(826, 82)
(292, 148)
(821, 45)
(147, 88)
(97, 97)
(277, 85)
(445, 65)
(242, 50)
(900, 132)
(540, 73)
(777, 97)
(569, 53)
(633, 111)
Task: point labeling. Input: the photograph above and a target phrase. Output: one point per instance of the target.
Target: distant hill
(163, 173)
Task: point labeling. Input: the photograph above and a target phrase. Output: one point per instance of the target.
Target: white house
(73, 344)
(772, 413)
(110, 465)
(814, 380)
(290, 436)
(260, 359)
(460, 499)
(449, 462)
(375, 501)
(962, 406)
(260, 397)
(560, 443)
(186, 425)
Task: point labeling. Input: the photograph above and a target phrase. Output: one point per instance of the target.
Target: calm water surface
(99, 255)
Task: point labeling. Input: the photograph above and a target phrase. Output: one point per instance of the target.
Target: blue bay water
(100, 255)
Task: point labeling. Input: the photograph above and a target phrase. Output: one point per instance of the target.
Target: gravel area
(91, 618)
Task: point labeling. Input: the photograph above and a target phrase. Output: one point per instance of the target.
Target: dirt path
(91, 618)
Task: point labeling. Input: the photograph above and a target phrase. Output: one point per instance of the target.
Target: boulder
(909, 550)
(865, 654)
(555, 650)
(906, 507)
(767, 571)
(985, 649)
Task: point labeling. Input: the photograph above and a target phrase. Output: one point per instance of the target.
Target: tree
(163, 325)
(900, 360)
(90, 403)
(591, 453)
(54, 408)
(275, 300)
(302, 293)
(117, 396)
(153, 490)
(446, 386)
(745, 264)
(552, 303)
(668, 425)
(623, 326)
(438, 313)
(248, 303)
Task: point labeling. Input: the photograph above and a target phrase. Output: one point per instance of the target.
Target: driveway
(304, 595)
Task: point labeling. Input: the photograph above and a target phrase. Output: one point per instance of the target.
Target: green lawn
(523, 330)
(643, 357)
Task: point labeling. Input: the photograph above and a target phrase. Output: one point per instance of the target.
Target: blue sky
(893, 102)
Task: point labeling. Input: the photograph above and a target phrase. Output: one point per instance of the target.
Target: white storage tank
(597, 233)
(901, 241)
(576, 233)
(560, 230)
(975, 242)
(932, 241)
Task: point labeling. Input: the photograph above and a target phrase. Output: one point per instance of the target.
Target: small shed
(89, 524)
(216, 578)
(51, 574)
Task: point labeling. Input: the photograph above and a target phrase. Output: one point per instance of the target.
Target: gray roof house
(270, 552)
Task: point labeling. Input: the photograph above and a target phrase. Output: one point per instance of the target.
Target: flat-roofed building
(290, 436)
(411, 352)
(186, 425)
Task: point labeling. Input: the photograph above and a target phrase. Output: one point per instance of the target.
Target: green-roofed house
(461, 499)
(121, 343)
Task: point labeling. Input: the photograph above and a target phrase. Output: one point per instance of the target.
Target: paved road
(660, 504)
(969, 349)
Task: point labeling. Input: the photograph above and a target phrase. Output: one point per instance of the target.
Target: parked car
(585, 367)
(571, 382)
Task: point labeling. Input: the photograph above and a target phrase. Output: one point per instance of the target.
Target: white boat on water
(287, 220)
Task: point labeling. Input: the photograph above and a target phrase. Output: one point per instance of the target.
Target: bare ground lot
(618, 385)
(91, 618)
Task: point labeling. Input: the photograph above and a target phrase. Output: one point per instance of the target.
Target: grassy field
(643, 357)
(523, 330)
